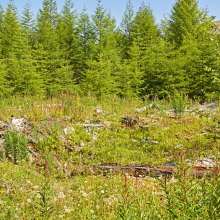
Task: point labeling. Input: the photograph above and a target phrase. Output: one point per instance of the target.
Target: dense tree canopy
(69, 51)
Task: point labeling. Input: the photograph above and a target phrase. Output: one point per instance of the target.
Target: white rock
(18, 124)
(68, 130)
(98, 110)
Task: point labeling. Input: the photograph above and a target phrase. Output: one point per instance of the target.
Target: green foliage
(184, 19)
(192, 199)
(179, 103)
(45, 206)
(16, 146)
(70, 51)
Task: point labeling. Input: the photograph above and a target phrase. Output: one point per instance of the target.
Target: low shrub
(16, 146)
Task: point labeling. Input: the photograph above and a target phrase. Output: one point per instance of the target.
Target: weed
(44, 206)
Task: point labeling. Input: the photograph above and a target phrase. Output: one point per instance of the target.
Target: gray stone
(147, 142)
(170, 165)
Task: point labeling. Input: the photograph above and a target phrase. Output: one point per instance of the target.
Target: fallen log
(140, 170)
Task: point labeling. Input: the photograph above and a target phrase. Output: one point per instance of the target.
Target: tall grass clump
(16, 146)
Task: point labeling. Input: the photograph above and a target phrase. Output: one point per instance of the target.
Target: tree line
(70, 51)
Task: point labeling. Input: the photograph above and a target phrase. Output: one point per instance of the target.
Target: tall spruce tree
(184, 19)
(69, 40)
(12, 47)
(4, 88)
(31, 82)
(1, 18)
(145, 35)
(202, 62)
(54, 71)
(100, 76)
(86, 33)
(126, 28)
(28, 23)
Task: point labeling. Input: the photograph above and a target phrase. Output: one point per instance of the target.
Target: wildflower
(126, 182)
(102, 191)
(181, 155)
(29, 200)
(92, 211)
(67, 211)
(38, 196)
(61, 195)
(85, 194)
(29, 182)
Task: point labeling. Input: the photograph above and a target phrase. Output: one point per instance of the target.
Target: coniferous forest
(73, 51)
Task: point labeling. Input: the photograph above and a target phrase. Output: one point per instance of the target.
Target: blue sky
(117, 7)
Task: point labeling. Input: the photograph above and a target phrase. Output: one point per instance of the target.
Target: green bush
(16, 146)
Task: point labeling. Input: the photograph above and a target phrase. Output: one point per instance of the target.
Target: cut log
(140, 170)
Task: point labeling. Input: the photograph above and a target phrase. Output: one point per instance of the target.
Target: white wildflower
(92, 211)
(61, 195)
(29, 182)
(85, 194)
(102, 191)
(67, 211)
(29, 200)
(38, 196)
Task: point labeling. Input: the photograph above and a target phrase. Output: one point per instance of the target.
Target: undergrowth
(46, 188)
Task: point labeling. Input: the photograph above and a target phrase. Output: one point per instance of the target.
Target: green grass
(26, 193)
